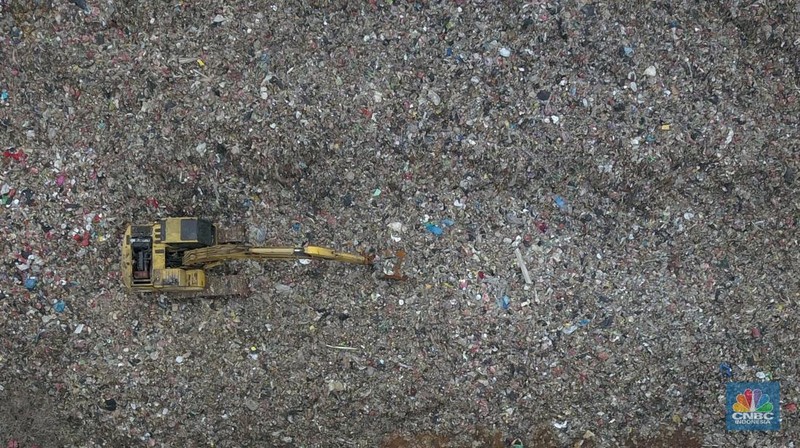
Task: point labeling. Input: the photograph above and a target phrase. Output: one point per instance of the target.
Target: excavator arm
(203, 257)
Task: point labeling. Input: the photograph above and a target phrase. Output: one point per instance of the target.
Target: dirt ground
(639, 158)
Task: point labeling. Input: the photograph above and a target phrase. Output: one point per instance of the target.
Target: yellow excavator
(173, 254)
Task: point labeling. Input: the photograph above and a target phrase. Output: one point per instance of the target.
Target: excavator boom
(211, 255)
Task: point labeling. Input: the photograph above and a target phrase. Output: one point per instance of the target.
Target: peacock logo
(752, 400)
(753, 406)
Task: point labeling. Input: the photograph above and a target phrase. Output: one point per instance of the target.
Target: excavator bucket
(396, 269)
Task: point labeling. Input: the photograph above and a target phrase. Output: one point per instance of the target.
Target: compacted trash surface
(598, 202)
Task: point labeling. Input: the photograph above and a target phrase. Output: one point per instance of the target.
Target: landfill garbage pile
(598, 202)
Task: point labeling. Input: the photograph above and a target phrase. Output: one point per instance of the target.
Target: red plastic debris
(755, 332)
(367, 113)
(16, 154)
(152, 202)
(542, 226)
(527, 240)
(60, 179)
(790, 407)
(481, 275)
(83, 240)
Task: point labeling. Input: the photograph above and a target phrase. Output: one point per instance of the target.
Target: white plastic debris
(280, 288)
(522, 266)
(434, 97)
(729, 138)
(396, 226)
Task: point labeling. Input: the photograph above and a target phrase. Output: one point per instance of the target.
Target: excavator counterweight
(173, 254)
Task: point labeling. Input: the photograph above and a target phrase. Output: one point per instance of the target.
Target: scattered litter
(512, 218)
(17, 155)
(434, 97)
(340, 347)
(396, 226)
(569, 329)
(280, 288)
(179, 359)
(474, 123)
(336, 386)
(261, 235)
(30, 283)
(251, 404)
(626, 52)
(543, 95)
(504, 302)
(560, 202)
(434, 229)
(729, 137)
(522, 266)
(110, 405)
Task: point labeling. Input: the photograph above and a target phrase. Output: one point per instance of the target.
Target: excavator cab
(152, 255)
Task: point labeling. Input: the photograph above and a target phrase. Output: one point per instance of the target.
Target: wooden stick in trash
(522, 266)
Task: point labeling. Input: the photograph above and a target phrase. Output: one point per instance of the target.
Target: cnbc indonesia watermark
(753, 406)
